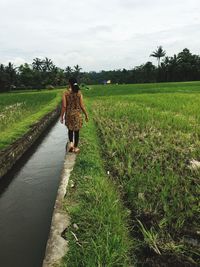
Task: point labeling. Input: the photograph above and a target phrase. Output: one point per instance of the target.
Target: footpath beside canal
(57, 246)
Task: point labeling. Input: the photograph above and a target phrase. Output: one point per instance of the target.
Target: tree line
(43, 73)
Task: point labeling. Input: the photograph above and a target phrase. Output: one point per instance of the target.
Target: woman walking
(72, 107)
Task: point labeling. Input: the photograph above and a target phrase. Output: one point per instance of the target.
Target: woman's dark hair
(74, 85)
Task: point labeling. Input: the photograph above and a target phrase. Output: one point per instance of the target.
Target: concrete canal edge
(57, 246)
(10, 155)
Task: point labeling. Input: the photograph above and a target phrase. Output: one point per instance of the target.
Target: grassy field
(18, 111)
(149, 140)
(133, 196)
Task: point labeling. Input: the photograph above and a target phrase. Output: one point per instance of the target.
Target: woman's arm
(64, 106)
(83, 108)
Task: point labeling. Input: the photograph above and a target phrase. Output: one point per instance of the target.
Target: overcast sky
(96, 34)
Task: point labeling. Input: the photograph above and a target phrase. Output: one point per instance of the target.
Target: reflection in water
(27, 196)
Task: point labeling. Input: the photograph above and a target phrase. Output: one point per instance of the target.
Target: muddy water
(27, 196)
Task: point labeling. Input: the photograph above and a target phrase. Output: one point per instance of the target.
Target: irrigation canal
(27, 196)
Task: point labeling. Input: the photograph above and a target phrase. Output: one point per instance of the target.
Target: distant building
(107, 82)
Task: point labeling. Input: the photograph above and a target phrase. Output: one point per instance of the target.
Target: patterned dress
(73, 116)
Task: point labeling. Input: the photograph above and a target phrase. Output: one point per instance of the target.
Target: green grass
(18, 111)
(150, 141)
(146, 208)
(146, 136)
(94, 205)
(149, 88)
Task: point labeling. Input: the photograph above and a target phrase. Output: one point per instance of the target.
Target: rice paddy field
(149, 144)
(18, 111)
(133, 196)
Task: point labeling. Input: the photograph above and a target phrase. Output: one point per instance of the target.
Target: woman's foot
(71, 147)
(76, 150)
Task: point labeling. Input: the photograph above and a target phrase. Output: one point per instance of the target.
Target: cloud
(97, 34)
(17, 61)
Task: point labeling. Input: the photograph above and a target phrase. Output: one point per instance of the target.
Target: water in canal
(27, 197)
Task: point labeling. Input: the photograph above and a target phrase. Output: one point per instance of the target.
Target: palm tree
(47, 64)
(158, 54)
(77, 69)
(68, 71)
(37, 63)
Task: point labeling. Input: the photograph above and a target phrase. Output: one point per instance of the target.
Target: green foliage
(150, 137)
(184, 66)
(147, 88)
(18, 111)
